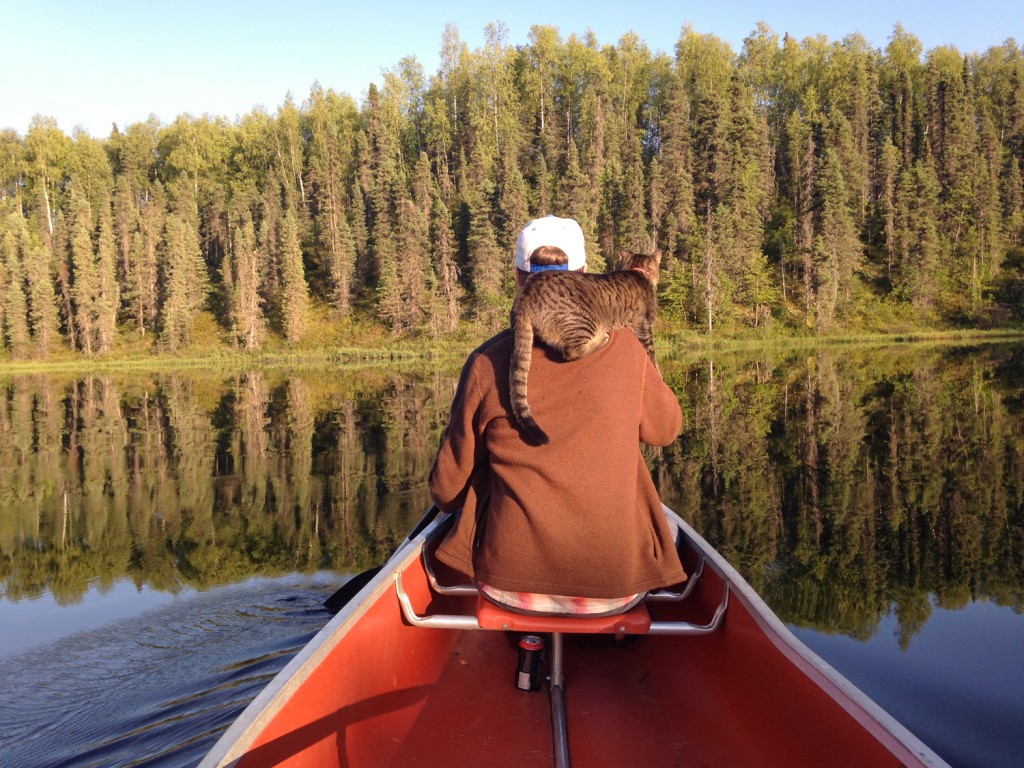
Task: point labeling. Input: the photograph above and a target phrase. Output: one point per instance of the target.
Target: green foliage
(811, 185)
(13, 304)
(247, 319)
(295, 292)
(185, 281)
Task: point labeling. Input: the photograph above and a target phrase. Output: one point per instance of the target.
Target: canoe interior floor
(619, 710)
(476, 716)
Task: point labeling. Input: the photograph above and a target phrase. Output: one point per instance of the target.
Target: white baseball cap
(551, 230)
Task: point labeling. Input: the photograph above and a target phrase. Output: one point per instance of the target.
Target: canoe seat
(487, 615)
(634, 621)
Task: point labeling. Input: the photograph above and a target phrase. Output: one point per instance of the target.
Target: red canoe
(413, 673)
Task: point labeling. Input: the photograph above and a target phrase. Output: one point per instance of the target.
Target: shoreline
(671, 344)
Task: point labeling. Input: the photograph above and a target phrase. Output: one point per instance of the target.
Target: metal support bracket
(660, 595)
(686, 628)
(437, 621)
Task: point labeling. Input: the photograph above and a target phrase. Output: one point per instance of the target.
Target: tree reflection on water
(849, 484)
(846, 484)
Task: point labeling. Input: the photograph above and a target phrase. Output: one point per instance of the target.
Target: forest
(795, 187)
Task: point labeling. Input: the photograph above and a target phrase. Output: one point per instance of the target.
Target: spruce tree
(42, 302)
(747, 197)
(146, 248)
(655, 198)
(413, 263)
(107, 300)
(952, 136)
(836, 245)
(886, 176)
(85, 280)
(415, 244)
(126, 229)
(677, 217)
(61, 264)
(360, 235)
(12, 290)
(389, 291)
(26, 287)
(184, 281)
(512, 203)
(633, 232)
(485, 261)
(988, 207)
(6, 244)
(294, 289)
(334, 239)
(802, 160)
(1014, 197)
(342, 267)
(919, 244)
(247, 318)
(711, 124)
(445, 269)
(573, 186)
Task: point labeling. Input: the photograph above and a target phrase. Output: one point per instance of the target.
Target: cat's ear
(624, 259)
(657, 257)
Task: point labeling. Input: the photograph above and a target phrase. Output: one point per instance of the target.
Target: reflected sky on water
(37, 621)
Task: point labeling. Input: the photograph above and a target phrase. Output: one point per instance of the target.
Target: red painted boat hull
(372, 690)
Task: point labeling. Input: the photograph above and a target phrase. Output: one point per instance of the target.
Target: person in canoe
(573, 525)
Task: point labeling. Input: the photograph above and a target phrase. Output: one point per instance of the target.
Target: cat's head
(649, 263)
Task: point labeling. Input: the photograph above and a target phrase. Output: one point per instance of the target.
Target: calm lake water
(167, 540)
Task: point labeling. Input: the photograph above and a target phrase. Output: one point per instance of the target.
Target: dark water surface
(156, 688)
(167, 540)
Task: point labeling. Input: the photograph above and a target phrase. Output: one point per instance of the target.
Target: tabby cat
(573, 313)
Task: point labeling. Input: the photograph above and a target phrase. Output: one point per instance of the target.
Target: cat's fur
(573, 313)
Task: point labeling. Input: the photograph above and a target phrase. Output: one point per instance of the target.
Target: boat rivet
(504, 626)
(622, 629)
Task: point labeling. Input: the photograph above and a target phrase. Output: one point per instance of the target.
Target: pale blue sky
(105, 61)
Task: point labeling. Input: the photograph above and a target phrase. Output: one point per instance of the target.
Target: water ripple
(157, 689)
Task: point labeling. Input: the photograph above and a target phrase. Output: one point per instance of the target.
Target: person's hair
(548, 255)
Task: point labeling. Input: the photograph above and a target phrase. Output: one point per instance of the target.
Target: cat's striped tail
(518, 373)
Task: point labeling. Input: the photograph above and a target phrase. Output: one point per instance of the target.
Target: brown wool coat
(578, 516)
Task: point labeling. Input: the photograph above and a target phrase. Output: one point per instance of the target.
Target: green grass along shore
(363, 344)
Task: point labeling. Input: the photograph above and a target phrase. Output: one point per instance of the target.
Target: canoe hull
(372, 690)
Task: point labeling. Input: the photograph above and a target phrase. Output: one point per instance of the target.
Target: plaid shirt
(530, 602)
